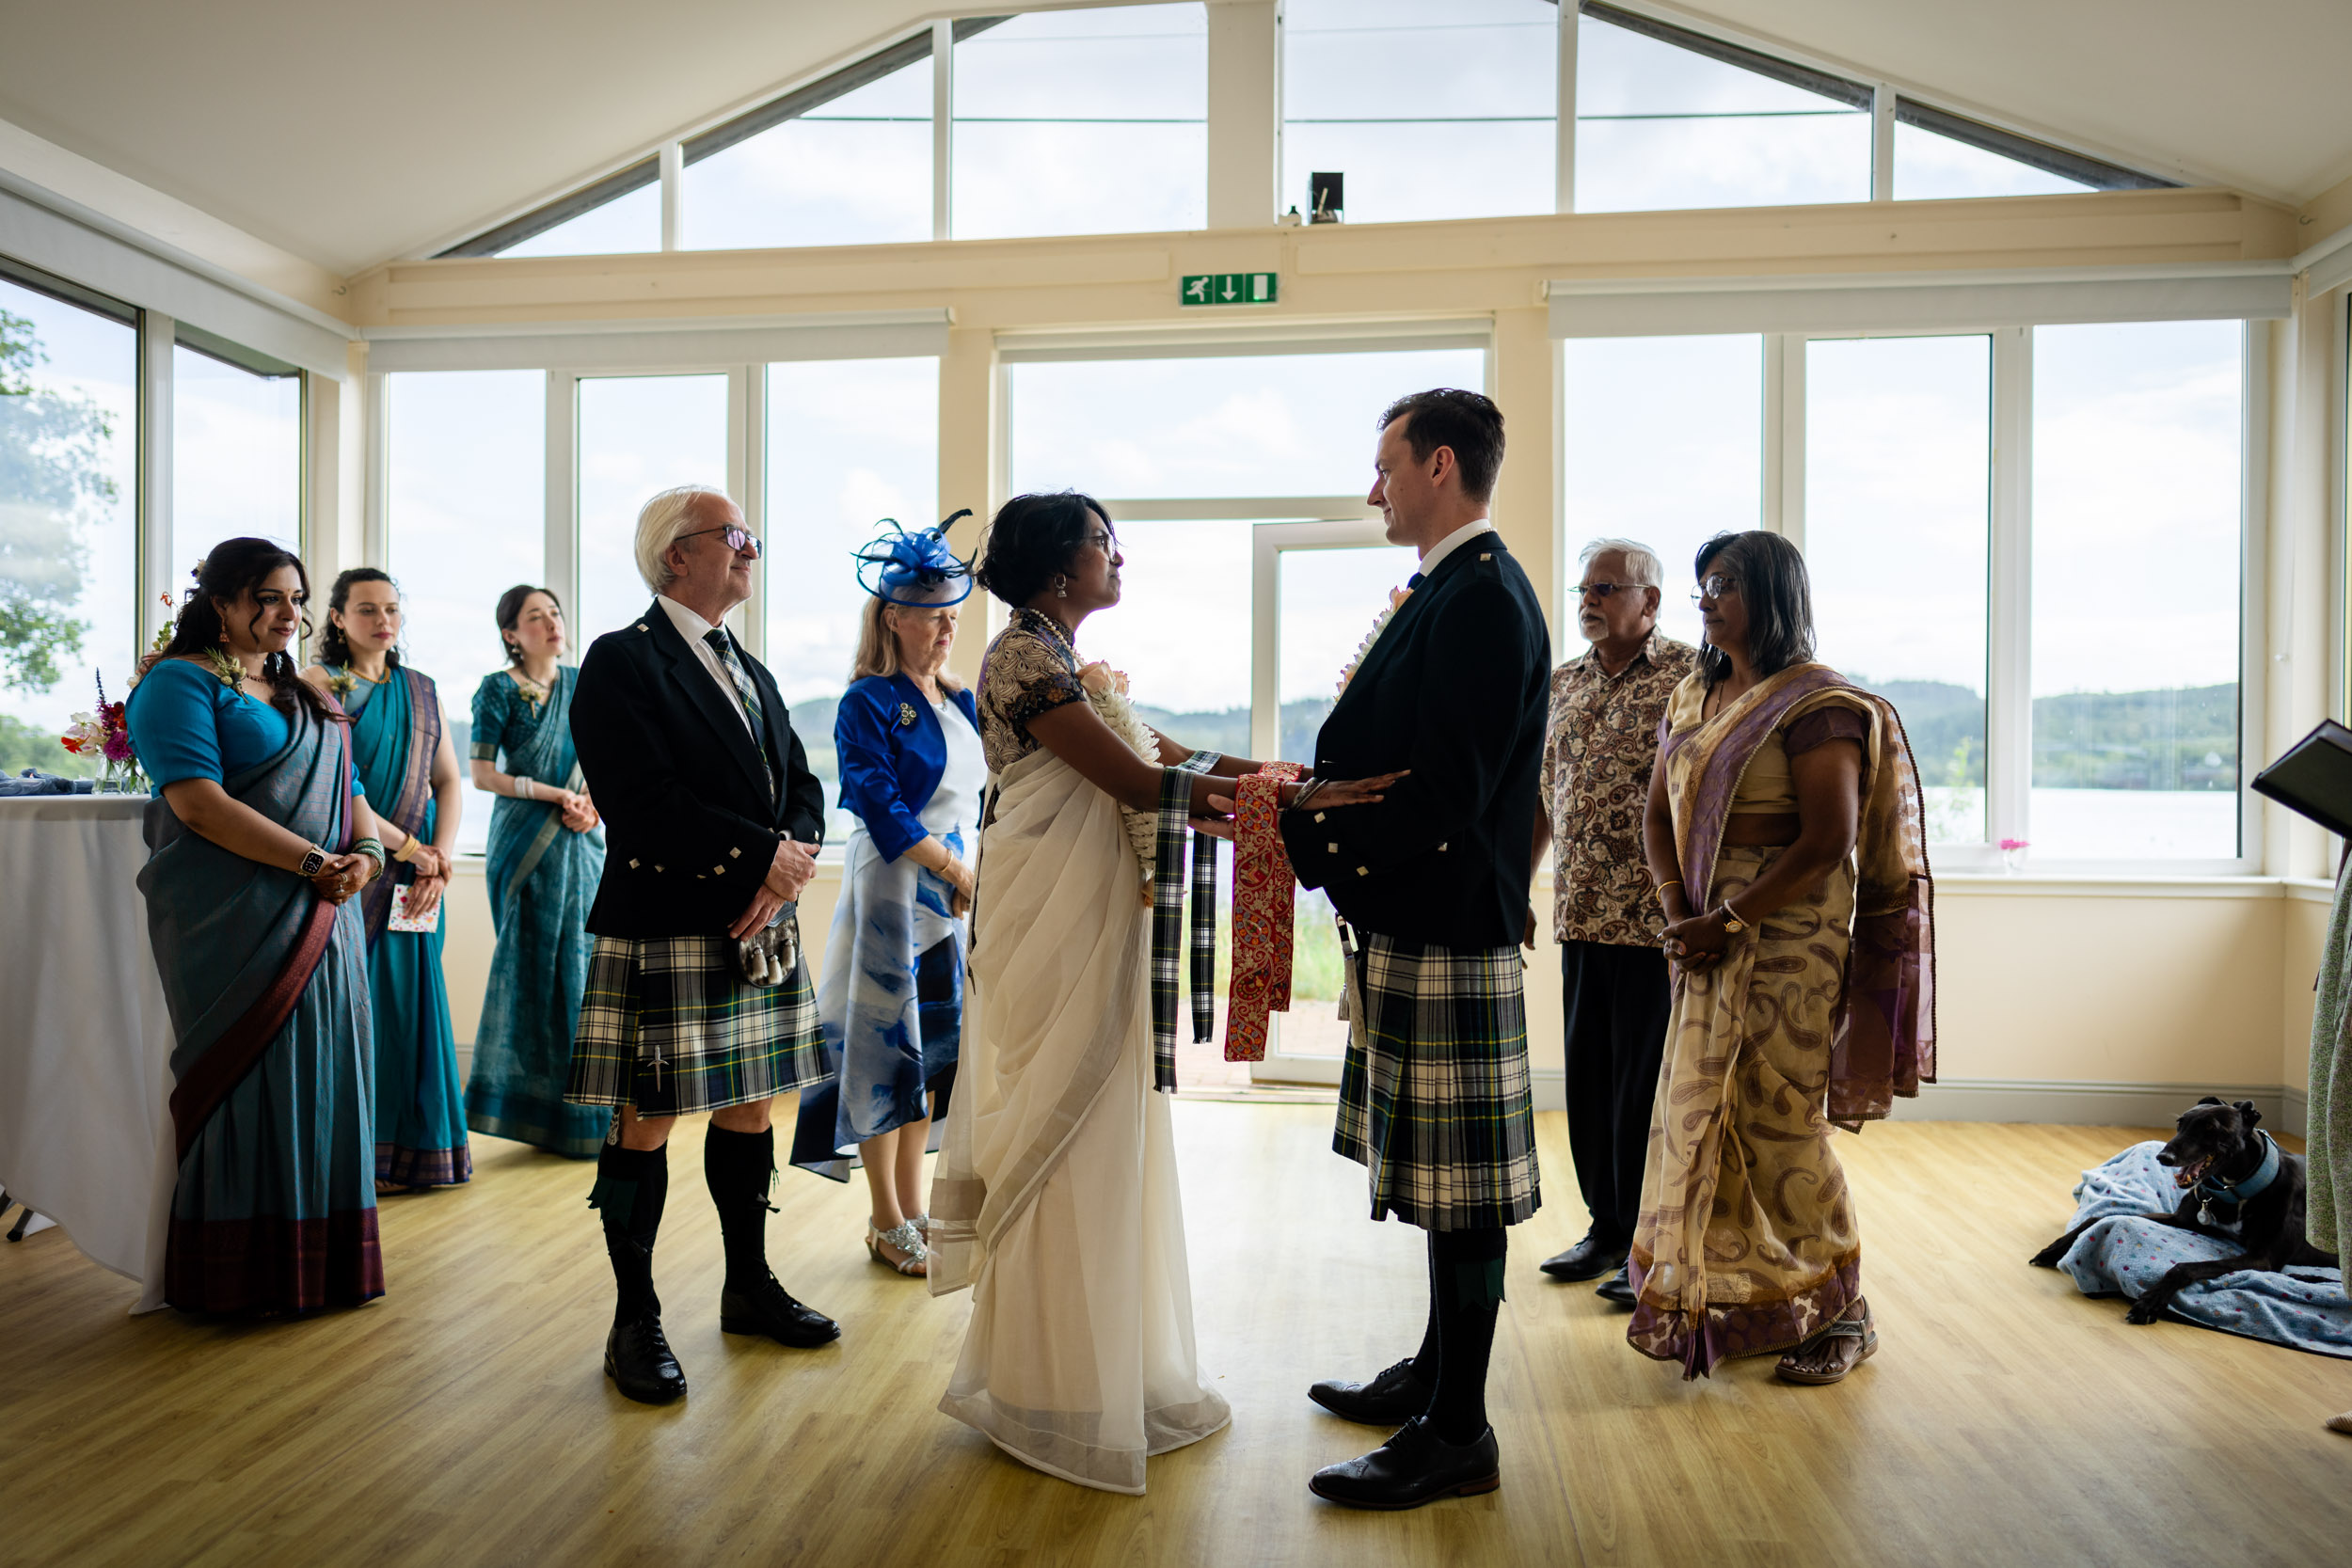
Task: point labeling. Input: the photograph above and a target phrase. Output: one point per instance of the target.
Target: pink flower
(117, 746)
(1099, 677)
(2013, 844)
(1397, 597)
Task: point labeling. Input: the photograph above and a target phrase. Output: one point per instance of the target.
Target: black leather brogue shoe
(1588, 1259)
(637, 1357)
(1413, 1467)
(1617, 1289)
(768, 1308)
(1389, 1399)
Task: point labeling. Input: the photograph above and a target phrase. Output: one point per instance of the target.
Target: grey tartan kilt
(1435, 1098)
(668, 1026)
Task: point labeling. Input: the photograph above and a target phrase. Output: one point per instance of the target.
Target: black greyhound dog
(2230, 1175)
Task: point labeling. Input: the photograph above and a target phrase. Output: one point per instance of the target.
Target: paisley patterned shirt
(1027, 671)
(1599, 745)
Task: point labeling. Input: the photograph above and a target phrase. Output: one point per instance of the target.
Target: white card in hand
(401, 920)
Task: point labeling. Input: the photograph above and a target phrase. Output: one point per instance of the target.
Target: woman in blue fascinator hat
(891, 1000)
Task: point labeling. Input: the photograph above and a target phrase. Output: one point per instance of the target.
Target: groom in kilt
(712, 821)
(1431, 887)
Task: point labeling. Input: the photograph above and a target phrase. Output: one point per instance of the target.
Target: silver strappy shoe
(907, 1240)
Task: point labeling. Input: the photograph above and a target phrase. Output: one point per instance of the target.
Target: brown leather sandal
(1855, 1341)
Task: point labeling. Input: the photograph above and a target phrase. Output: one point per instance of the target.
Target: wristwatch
(1733, 924)
(312, 863)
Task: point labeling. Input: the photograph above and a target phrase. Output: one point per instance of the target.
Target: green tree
(52, 448)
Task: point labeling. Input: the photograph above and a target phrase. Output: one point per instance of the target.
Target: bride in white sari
(1055, 1196)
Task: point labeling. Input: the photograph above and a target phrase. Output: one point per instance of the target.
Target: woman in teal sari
(547, 855)
(403, 757)
(261, 835)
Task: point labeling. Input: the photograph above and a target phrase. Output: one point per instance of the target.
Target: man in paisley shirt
(1599, 745)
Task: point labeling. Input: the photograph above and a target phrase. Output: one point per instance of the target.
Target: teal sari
(272, 1209)
(543, 877)
(420, 1113)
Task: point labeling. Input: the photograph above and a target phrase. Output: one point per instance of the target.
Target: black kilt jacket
(1456, 689)
(690, 829)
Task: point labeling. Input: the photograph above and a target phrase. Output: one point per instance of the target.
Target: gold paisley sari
(1821, 1014)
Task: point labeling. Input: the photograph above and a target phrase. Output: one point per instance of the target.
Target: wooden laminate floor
(464, 1418)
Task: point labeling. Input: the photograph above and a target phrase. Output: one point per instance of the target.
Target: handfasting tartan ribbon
(1168, 908)
(1265, 904)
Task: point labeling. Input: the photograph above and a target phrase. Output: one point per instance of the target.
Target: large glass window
(1082, 122)
(1930, 168)
(69, 536)
(1663, 445)
(2136, 523)
(466, 519)
(1661, 126)
(639, 434)
(1431, 110)
(856, 170)
(850, 443)
(1258, 425)
(630, 222)
(1898, 463)
(236, 455)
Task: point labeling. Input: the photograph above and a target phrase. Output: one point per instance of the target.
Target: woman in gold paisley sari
(1785, 828)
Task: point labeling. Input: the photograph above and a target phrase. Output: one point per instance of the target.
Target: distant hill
(2166, 740)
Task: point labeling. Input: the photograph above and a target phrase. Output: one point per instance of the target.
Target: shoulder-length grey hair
(1778, 591)
(878, 644)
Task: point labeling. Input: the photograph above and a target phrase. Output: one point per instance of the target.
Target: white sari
(1056, 1193)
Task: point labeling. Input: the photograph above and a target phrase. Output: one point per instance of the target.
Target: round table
(84, 1037)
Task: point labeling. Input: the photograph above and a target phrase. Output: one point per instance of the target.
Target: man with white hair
(1601, 743)
(712, 820)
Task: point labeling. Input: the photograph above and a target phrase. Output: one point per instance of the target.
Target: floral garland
(1107, 693)
(1396, 602)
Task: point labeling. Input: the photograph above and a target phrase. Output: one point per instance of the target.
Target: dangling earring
(1061, 590)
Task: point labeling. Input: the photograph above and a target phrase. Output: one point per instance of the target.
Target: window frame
(2008, 630)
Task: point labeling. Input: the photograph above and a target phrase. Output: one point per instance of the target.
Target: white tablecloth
(85, 1038)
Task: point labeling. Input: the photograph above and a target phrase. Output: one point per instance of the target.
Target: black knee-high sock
(632, 1186)
(1468, 1275)
(1432, 1353)
(741, 1167)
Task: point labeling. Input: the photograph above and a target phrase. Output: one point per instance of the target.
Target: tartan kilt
(1436, 1101)
(669, 1027)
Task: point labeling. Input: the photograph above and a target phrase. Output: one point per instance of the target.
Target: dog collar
(2254, 1185)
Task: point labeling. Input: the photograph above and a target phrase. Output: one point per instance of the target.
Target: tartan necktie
(747, 694)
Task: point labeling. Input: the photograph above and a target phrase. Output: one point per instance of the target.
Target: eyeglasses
(737, 540)
(1602, 590)
(1102, 542)
(1715, 588)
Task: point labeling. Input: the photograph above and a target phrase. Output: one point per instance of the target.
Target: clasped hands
(788, 874)
(1698, 943)
(343, 875)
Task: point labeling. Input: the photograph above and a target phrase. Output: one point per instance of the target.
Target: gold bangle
(407, 850)
(1661, 889)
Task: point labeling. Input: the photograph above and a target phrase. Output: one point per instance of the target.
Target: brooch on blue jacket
(906, 716)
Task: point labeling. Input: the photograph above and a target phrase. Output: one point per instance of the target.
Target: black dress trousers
(1617, 1001)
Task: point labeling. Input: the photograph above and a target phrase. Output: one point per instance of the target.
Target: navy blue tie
(1413, 581)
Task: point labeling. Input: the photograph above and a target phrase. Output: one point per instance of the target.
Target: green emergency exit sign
(1226, 288)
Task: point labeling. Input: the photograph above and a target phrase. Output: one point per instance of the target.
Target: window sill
(1972, 884)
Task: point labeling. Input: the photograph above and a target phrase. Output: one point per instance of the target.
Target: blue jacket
(892, 752)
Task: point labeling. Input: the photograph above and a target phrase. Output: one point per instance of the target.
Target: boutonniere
(532, 692)
(906, 716)
(1396, 602)
(339, 681)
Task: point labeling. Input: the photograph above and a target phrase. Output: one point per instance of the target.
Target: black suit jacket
(1456, 690)
(690, 829)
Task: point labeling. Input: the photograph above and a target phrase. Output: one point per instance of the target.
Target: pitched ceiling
(352, 135)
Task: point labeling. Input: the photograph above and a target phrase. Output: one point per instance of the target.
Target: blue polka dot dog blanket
(2127, 1252)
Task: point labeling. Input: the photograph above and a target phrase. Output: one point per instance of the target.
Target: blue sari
(420, 1113)
(543, 877)
(274, 1208)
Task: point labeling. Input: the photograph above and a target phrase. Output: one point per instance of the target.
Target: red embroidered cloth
(1265, 901)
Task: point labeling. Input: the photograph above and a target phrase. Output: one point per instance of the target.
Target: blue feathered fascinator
(903, 568)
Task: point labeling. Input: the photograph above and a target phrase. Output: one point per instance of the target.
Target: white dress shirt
(1451, 543)
(694, 629)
